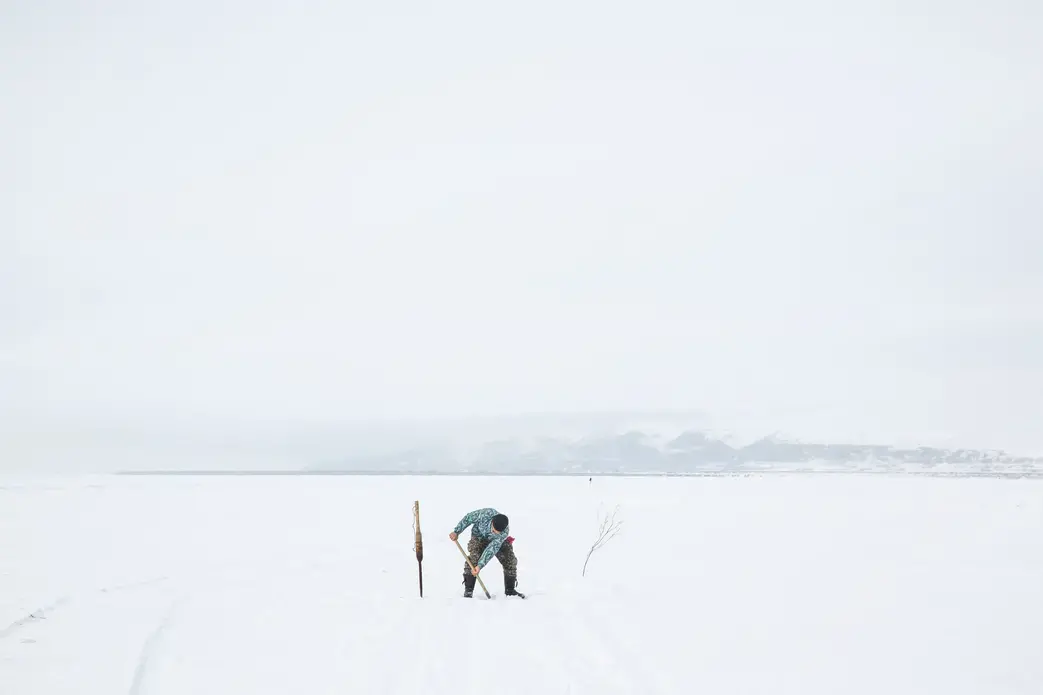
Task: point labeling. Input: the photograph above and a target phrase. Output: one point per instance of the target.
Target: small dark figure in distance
(489, 537)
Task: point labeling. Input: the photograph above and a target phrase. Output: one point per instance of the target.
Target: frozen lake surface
(811, 585)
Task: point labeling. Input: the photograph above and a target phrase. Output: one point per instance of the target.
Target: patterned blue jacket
(483, 529)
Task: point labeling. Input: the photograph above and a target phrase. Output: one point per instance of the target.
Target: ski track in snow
(149, 649)
(436, 644)
(41, 613)
(75, 649)
(508, 645)
(395, 675)
(579, 656)
(46, 611)
(601, 633)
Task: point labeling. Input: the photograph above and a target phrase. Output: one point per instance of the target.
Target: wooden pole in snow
(418, 545)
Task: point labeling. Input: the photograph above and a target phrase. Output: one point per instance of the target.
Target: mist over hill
(690, 451)
(687, 443)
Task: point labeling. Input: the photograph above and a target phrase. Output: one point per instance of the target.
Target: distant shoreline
(607, 474)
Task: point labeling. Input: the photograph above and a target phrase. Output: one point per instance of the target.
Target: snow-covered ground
(774, 584)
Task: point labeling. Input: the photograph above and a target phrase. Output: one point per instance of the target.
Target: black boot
(469, 580)
(509, 582)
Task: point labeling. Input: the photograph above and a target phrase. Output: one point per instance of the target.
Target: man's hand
(452, 535)
(474, 570)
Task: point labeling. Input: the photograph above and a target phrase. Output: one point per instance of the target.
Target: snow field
(773, 584)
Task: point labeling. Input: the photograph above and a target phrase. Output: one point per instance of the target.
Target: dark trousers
(509, 561)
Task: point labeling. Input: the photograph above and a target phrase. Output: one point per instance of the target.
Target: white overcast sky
(233, 210)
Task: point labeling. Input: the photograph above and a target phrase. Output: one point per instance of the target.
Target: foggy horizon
(811, 219)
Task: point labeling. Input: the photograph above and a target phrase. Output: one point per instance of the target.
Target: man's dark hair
(500, 522)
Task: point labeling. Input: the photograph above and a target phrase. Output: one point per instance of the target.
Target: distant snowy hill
(691, 451)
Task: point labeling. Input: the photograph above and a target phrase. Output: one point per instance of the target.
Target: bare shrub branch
(608, 527)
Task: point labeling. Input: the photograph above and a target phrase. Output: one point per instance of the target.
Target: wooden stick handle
(418, 539)
(457, 541)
